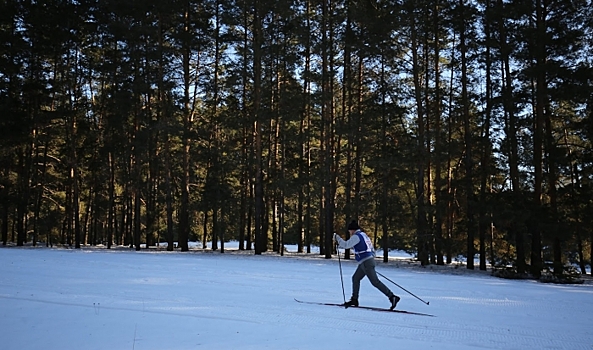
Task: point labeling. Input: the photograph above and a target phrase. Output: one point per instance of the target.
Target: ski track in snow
(368, 322)
(399, 326)
(258, 291)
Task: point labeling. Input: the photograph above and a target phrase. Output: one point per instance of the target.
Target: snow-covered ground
(122, 299)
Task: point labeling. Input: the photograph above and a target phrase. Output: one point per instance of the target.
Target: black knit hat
(353, 225)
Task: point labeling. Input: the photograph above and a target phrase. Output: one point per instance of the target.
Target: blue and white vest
(363, 249)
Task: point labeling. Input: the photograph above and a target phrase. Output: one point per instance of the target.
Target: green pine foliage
(447, 128)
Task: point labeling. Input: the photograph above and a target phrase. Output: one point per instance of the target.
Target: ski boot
(351, 303)
(394, 299)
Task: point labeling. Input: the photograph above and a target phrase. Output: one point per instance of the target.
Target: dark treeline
(448, 128)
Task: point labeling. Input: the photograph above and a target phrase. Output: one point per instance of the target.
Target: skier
(365, 255)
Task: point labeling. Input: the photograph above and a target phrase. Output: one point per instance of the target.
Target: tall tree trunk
(222, 224)
(421, 223)
(451, 188)
(428, 192)
(40, 190)
(539, 119)
(327, 116)
(205, 230)
(5, 202)
(250, 213)
(136, 184)
(347, 103)
(386, 166)
(111, 211)
(152, 184)
(468, 145)
(575, 186)
(216, 140)
(307, 133)
(438, 182)
(168, 192)
(184, 226)
(554, 228)
(247, 150)
(358, 140)
(166, 120)
(257, 128)
(76, 201)
(302, 169)
(511, 128)
(486, 148)
(24, 155)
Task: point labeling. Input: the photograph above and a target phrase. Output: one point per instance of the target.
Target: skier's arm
(350, 243)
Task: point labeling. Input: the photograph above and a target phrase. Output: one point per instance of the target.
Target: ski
(366, 308)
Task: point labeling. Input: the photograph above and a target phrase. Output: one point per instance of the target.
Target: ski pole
(412, 294)
(341, 278)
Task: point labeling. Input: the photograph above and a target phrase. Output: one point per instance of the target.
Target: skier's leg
(356, 278)
(369, 268)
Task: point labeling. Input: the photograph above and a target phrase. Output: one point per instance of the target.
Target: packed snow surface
(122, 299)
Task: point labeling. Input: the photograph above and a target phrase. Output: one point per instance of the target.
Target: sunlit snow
(94, 298)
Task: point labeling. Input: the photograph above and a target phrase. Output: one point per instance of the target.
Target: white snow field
(121, 299)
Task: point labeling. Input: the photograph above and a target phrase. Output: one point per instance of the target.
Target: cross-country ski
(372, 308)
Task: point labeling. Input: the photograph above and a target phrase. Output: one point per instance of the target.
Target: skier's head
(353, 226)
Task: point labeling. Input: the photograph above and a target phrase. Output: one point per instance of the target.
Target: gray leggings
(367, 268)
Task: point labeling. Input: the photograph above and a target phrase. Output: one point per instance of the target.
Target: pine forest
(449, 129)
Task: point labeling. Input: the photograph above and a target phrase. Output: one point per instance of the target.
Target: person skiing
(365, 255)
